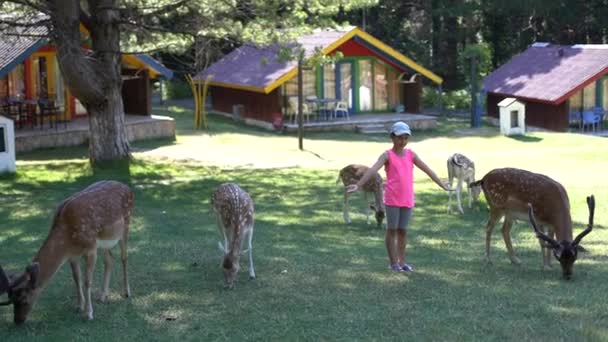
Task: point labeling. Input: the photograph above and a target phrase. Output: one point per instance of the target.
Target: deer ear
(32, 271)
(4, 282)
(558, 252)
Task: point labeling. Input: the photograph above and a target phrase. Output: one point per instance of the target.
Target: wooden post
(475, 119)
(300, 105)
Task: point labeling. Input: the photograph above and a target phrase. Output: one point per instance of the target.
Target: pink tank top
(399, 188)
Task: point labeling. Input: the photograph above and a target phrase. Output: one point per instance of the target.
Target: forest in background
(439, 34)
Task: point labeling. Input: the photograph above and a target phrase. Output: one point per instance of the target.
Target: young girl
(399, 164)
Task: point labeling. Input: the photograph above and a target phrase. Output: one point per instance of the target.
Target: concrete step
(371, 128)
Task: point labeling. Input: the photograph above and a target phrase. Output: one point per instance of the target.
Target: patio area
(76, 132)
(368, 123)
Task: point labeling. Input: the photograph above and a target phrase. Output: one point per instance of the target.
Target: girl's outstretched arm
(373, 169)
(422, 166)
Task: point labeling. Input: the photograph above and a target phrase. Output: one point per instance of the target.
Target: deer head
(475, 190)
(21, 291)
(378, 214)
(565, 252)
(231, 269)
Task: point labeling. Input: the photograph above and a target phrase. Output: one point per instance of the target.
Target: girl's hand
(352, 188)
(446, 186)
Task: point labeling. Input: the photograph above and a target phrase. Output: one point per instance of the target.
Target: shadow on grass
(314, 272)
(525, 138)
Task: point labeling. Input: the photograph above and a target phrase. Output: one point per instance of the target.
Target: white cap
(401, 128)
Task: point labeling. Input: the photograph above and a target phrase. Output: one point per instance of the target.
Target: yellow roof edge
(396, 54)
(140, 64)
(288, 75)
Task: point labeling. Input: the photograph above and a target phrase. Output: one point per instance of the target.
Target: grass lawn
(318, 279)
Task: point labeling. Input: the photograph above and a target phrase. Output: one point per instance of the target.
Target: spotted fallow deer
(463, 169)
(96, 217)
(351, 174)
(510, 193)
(233, 208)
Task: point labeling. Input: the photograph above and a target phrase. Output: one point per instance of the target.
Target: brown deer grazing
(96, 217)
(351, 174)
(509, 193)
(233, 208)
(463, 169)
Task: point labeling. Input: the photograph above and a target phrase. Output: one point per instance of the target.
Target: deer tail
(477, 183)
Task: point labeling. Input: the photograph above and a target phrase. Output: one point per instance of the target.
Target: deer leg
(546, 252)
(368, 209)
(123, 258)
(107, 271)
(459, 195)
(249, 239)
(506, 235)
(450, 193)
(495, 215)
(90, 259)
(75, 265)
(469, 192)
(345, 209)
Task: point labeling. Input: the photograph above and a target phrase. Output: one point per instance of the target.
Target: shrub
(177, 89)
(451, 100)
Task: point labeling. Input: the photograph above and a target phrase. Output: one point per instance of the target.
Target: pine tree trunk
(94, 76)
(108, 139)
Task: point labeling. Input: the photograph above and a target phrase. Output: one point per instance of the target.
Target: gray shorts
(398, 217)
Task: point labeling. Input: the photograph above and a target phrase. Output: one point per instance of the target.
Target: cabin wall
(538, 114)
(136, 95)
(256, 105)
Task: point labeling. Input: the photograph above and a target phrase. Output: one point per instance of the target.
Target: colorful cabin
(371, 77)
(558, 84)
(29, 72)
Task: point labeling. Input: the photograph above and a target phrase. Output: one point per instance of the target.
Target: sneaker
(396, 268)
(407, 268)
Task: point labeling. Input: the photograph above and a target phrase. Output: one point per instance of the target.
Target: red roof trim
(581, 86)
(533, 99)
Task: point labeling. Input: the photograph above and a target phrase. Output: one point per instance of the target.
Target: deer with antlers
(96, 217)
(233, 208)
(513, 192)
(351, 174)
(463, 169)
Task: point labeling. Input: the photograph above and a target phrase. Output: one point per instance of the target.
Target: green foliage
(177, 88)
(451, 100)
(482, 55)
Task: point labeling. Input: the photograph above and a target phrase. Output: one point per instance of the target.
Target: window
(380, 87)
(308, 84)
(2, 139)
(589, 96)
(16, 84)
(4, 87)
(329, 81)
(365, 86)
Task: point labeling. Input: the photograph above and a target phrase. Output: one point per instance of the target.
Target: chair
(292, 109)
(574, 117)
(47, 110)
(599, 111)
(591, 118)
(341, 107)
